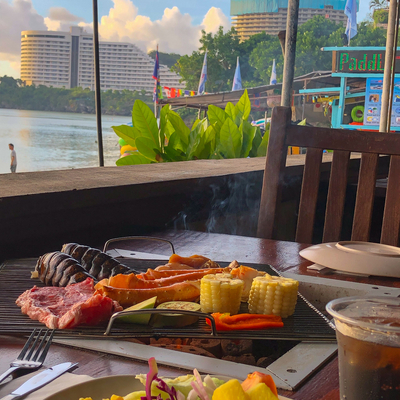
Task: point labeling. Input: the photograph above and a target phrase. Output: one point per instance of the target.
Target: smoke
(228, 205)
(234, 206)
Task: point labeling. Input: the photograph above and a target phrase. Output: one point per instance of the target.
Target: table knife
(40, 380)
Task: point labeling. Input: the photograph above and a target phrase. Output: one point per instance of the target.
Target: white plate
(102, 388)
(356, 257)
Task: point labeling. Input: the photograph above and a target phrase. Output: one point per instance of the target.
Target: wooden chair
(342, 142)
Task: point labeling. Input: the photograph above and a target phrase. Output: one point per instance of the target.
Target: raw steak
(66, 307)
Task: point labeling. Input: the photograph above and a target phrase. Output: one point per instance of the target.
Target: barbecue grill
(307, 323)
(308, 333)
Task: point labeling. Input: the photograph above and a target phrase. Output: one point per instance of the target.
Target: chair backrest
(342, 142)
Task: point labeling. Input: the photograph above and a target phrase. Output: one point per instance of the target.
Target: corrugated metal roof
(321, 79)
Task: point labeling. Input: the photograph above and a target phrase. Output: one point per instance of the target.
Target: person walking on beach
(13, 165)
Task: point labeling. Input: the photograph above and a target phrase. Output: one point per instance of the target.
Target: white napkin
(62, 382)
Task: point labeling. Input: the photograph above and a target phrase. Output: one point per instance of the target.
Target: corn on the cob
(273, 295)
(220, 293)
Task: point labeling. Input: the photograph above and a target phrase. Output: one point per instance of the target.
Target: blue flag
(273, 80)
(203, 76)
(156, 66)
(157, 93)
(237, 79)
(351, 11)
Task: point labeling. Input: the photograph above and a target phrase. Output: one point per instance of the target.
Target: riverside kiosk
(364, 63)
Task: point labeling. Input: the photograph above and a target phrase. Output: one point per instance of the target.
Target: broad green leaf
(256, 143)
(176, 143)
(174, 154)
(133, 159)
(230, 111)
(262, 149)
(196, 138)
(195, 124)
(145, 122)
(169, 129)
(126, 132)
(206, 152)
(180, 128)
(163, 124)
(211, 133)
(230, 139)
(216, 116)
(248, 133)
(211, 137)
(243, 107)
(147, 148)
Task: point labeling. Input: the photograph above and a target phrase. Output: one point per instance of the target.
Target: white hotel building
(65, 59)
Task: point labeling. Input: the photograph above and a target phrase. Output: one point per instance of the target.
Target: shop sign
(363, 62)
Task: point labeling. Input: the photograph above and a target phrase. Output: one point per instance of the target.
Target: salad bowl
(102, 388)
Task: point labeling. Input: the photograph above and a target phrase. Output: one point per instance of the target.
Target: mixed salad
(257, 386)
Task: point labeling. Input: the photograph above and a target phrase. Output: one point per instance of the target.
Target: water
(51, 140)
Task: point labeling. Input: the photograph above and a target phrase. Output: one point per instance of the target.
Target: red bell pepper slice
(227, 322)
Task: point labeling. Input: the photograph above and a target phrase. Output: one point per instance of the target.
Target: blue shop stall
(356, 102)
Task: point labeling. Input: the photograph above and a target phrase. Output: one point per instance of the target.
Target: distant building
(250, 17)
(65, 59)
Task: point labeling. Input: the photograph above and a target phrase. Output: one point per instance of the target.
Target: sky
(173, 24)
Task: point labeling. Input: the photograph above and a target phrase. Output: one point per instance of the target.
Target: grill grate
(306, 324)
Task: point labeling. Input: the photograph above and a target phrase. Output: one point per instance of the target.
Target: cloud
(60, 19)
(62, 14)
(174, 32)
(17, 16)
(214, 19)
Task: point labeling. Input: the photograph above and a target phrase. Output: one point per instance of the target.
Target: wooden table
(323, 385)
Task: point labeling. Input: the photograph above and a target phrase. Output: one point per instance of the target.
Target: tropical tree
(168, 59)
(222, 52)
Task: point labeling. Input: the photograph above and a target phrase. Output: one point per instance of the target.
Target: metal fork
(34, 359)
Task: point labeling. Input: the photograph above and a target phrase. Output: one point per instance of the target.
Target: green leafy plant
(223, 134)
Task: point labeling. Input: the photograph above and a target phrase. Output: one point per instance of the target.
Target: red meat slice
(66, 307)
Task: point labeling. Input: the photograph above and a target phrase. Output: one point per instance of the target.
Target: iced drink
(368, 334)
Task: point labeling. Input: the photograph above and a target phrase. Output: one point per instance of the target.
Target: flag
(351, 11)
(237, 79)
(167, 91)
(273, 80)
(203, 76)
(157, 93)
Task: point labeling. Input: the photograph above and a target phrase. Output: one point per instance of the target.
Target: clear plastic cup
(368, 335)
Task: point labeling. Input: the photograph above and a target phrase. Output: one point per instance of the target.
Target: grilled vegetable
(240, 322)
(273, 295)
(220, 293)
(176, 320)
